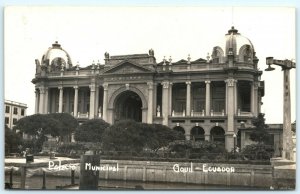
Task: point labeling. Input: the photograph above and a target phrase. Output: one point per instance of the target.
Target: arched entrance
(128, 105)
(217, 134)
(197, 134)
(180, 129)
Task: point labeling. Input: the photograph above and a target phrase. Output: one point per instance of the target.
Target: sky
(86, 33)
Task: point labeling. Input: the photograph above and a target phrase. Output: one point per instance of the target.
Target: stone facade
(206, 99)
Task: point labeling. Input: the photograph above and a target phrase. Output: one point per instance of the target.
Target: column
(37, 96)
(229, 140)
(42, 100)
(188, 98)
(165, 104)
(92, 101)
(170, 98)
(75, 101)
(105, 101)
(207, 98)
(254, 96)
(230, 83)
(60, 103)
(150, 103)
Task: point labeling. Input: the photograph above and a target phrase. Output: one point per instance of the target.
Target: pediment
(127, 67)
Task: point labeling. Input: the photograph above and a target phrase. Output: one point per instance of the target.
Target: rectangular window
(6, 120)
(15, 110)
(199, 105)
(7, 109)
(22, 112)
(14, 121)
(244, 96)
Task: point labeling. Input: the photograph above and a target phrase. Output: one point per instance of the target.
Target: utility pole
(286, 65)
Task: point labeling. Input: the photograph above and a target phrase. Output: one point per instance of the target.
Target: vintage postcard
(150, 98)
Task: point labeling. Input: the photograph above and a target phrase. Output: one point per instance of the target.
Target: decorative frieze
(124, 78)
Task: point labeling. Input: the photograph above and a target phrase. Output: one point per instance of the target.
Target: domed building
(206, 99)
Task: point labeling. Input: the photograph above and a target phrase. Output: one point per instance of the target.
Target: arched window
(217, 55)
(197, 134)
(246, 54)
(180, 129)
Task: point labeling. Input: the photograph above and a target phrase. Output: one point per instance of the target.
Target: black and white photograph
(150, 98)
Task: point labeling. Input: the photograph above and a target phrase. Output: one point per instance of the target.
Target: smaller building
(275, 131)
(13, 112)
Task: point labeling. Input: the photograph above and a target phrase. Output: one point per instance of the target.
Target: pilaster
(42, 100)
(165, 104)
(188, 98)
(37, 97)
(92, 101)
(75, 101)
(207, 98)
(105, 101)
(60, 103)
(150, 103)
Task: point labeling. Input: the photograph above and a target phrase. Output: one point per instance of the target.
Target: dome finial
(232, 30)
(55, 44)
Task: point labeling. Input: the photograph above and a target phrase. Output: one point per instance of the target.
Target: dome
(234, 44)
(56, 58)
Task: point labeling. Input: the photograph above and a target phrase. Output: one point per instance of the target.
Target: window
(244, 96)
(7, 109)
(22, 112)
(218, 96)
(14, 121)
(15, 110)
(6, 120)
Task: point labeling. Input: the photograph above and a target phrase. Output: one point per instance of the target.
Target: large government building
(207, 99)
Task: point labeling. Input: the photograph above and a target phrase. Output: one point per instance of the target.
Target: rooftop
(10, 102)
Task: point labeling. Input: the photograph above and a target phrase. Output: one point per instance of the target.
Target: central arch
(128, 105)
